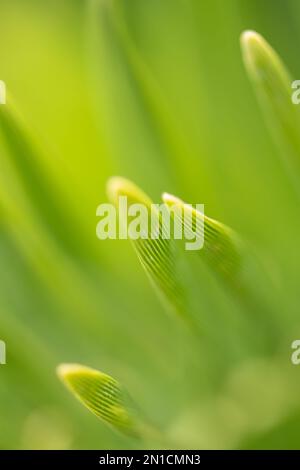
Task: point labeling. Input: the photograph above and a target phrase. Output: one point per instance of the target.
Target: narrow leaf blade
(102, 395)
(273, 85)
(221, 249)
(158, 256)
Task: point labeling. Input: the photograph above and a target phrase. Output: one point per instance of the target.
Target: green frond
(102, 395)
(158, 255)
(273, 85)
(221, 250)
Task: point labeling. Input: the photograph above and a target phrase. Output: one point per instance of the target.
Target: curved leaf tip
(221, 246)
(118, 186)
(258, 55)
(101, 394)
(274, 88)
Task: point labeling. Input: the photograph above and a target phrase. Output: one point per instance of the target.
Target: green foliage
(167, 104)
(273, 85)
(102, 395)
(158, 255)
(26, 156)
(221, 248)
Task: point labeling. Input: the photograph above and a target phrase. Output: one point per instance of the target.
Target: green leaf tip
(273, 85)
(259, 56)
(102, 395)
(221, 249)
(118, 186)
(157, 255)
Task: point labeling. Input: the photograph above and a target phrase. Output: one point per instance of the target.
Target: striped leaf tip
(155, 251)
(101, 394)
(221, 246)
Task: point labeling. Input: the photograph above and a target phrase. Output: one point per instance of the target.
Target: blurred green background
(156, 91)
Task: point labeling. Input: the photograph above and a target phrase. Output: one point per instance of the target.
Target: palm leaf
(158, 256)
(272, 83)
(221, 249)
(102, 395)
(235, 264)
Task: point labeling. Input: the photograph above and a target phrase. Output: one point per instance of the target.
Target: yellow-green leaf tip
(101, 394)
(67, 371)
(250, 37)
(170, 200)
(118, 186)
(254, 49)
(259, 56)
(221, 249)
(252, 42)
